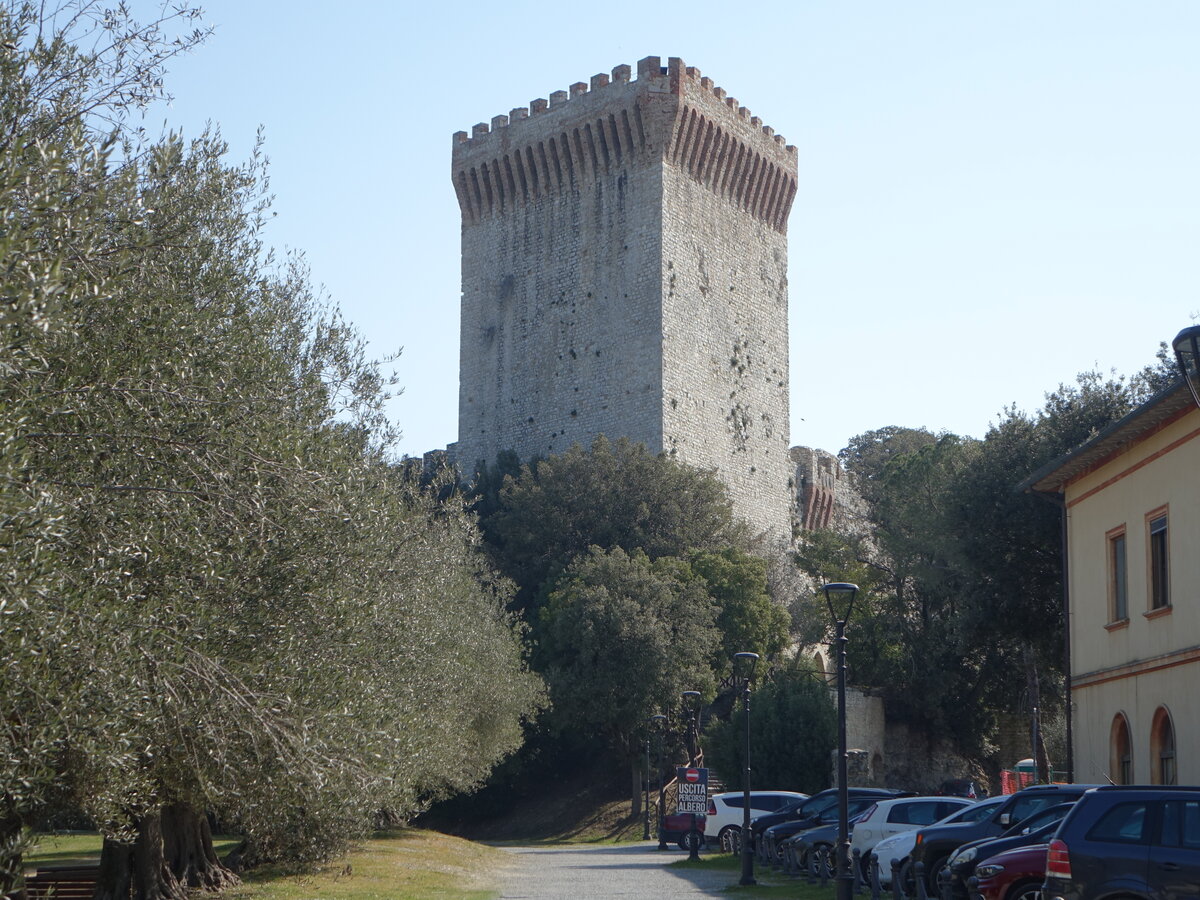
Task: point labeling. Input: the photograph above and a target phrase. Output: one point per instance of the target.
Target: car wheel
(689, 840)
(728, 838)
(932, 874)
(908, 883)
(864, 866)
(1029, 890)
(826, 860)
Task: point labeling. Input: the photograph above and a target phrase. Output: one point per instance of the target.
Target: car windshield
(972, 813)
(1041, 819)
(817, 806)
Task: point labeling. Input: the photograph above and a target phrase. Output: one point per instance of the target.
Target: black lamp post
(646, 794)
(748, 662)
(840, 599)
(661, 721)
(691, 704)
(1187, 352)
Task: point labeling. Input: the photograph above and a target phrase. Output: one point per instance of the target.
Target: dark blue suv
(1140, 842)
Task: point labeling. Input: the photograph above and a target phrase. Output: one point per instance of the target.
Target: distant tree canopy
(220, 593)
(623, 636)
(961, 574)
(634, 578)
(613, 494)
(793, 728)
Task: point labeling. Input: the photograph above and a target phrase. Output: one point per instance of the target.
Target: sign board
(693, 790)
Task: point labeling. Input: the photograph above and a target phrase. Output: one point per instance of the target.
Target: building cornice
(1183, 657)
(1163, 409)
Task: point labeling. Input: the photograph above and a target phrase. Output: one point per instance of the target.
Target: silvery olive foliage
(219, 588)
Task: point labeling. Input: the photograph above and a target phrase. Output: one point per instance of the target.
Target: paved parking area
(594, 873)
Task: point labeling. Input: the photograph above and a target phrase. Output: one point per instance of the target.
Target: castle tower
(624, 272)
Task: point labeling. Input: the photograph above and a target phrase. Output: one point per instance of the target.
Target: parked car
(1137, 842)
(889, 817)
(677, 829)
(821, 840)
(725, 811)
(811, 810)
(934, 844)
(898, 848)
(768, 842)
(1037, 829)
(1015, 874)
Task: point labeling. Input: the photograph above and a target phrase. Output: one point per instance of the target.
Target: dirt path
(601, 872)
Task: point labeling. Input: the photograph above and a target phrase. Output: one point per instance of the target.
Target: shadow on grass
(770, 884)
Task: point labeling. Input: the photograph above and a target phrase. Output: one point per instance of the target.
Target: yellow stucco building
(1132, 500)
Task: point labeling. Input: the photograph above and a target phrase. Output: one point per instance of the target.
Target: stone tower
(624, 272)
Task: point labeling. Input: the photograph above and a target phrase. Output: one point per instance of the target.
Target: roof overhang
(1164, 407)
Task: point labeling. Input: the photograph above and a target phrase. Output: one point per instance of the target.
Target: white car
(725, 811)
(899, 847)
(889, 817)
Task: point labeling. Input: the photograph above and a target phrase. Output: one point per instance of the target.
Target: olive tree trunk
(138, 871)
(635, 808)
(188, 850)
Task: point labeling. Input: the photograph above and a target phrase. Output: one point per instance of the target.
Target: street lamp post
(748, 661)
(839, 598)
(646, 794)
(661, 721)
(1187, 352)
(691, 708)
(691, 704)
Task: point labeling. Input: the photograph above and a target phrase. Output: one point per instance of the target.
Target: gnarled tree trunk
(188, 850)
(138, 872)
(635, 807)
(116, 871)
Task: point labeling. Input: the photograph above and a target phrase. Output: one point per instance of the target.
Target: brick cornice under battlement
(668, 116)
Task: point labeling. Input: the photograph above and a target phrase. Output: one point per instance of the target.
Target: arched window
(1162, 748)
(1120, 752)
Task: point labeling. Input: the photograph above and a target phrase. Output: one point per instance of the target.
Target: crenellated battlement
(598, 127)
(649, 71)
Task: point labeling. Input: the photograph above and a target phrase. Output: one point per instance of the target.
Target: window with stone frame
(1118, 579)
(1162, 748)
(1158, 561)
(1120, 762)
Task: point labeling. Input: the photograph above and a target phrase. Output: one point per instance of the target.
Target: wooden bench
(62, 883)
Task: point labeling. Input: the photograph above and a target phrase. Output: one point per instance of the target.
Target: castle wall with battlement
(624, 273)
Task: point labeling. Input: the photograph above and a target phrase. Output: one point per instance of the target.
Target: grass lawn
(81, 847)
(770, 884)
(405, 864)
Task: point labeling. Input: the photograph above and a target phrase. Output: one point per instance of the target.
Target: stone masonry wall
(624, 260)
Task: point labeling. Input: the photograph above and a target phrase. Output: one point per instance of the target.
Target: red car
(1012, 875)
(677, 829)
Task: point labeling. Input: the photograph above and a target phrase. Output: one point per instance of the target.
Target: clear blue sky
(993, 196)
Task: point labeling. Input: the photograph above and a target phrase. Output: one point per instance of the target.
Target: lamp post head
(1187, 352)
(748, 661)
(691, 697)
(839, 597)
(657, 719)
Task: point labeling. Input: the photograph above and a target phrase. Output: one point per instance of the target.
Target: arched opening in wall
(1162, 748)
(1120, 751)
(825, 666)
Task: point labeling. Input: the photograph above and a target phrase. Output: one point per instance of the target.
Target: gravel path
(596, 873)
